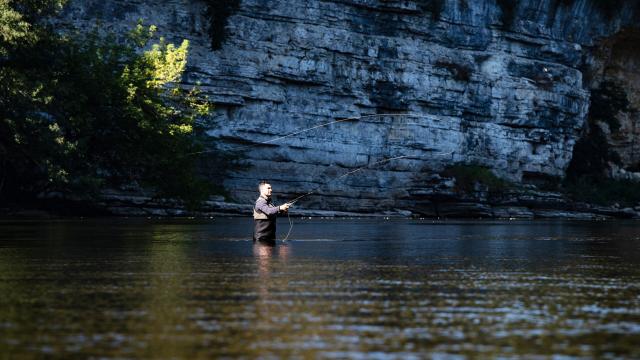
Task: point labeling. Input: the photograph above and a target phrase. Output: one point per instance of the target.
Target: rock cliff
(503, 84)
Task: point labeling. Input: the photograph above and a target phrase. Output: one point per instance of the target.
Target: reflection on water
(263, 255)
(340, 289)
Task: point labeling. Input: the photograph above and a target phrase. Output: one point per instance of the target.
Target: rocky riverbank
(439, 197)
(527, 203)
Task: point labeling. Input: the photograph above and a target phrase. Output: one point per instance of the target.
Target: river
(340, 288)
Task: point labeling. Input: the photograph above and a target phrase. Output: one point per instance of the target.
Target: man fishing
(265, 214)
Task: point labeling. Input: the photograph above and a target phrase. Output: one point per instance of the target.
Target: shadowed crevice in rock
(608, 147)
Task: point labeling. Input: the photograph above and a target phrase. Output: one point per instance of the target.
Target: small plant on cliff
(458, 71)
(79, 112)
(467, 176)
(218, 13)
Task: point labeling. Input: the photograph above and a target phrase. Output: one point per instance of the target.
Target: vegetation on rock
(468, 176)
(84, 111)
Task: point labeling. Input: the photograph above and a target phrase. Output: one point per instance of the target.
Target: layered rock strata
(499, 84)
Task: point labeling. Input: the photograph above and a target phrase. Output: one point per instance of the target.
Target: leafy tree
(13, 27)
(83, 111)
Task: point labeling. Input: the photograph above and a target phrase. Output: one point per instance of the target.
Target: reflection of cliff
(501, 84)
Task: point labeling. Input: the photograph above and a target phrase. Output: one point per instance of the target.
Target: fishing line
(338, 178)
(290, 227)
(328, 182)
(313, 128)
(345, 174)
(309, 129)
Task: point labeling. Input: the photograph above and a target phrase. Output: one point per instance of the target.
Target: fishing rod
(338, 178)
(343, 175)
(309, 129)
(316, 127)
(328, 182)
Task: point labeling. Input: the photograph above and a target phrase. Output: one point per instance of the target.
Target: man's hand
(284, 207)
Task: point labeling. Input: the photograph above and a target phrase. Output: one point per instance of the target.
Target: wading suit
(264, 217)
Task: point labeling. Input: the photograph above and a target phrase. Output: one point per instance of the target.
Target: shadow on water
(340, 288)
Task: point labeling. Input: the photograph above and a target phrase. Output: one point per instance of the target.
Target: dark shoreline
(140, 207)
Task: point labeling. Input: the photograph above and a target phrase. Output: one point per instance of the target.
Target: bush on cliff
(79, 112)
(467, 176)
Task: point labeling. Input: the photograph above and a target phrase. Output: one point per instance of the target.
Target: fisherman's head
(265, 189)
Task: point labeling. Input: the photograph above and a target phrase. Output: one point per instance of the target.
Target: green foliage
(13, 27)
(34, 10)
(467, 176)
(218, 13)
(82, 111)
(598, 190)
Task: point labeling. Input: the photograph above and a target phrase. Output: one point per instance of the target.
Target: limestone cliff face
(500, 84)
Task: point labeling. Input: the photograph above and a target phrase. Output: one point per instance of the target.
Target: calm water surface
(340, 289)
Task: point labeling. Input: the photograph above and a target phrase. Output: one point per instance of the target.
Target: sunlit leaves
(13, 27)
(166, 63)
(82, 110)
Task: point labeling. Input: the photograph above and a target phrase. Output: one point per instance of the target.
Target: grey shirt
(266, 207)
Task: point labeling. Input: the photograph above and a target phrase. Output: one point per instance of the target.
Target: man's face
(265, 190)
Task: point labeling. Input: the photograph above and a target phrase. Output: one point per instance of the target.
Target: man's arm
(262, 205)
